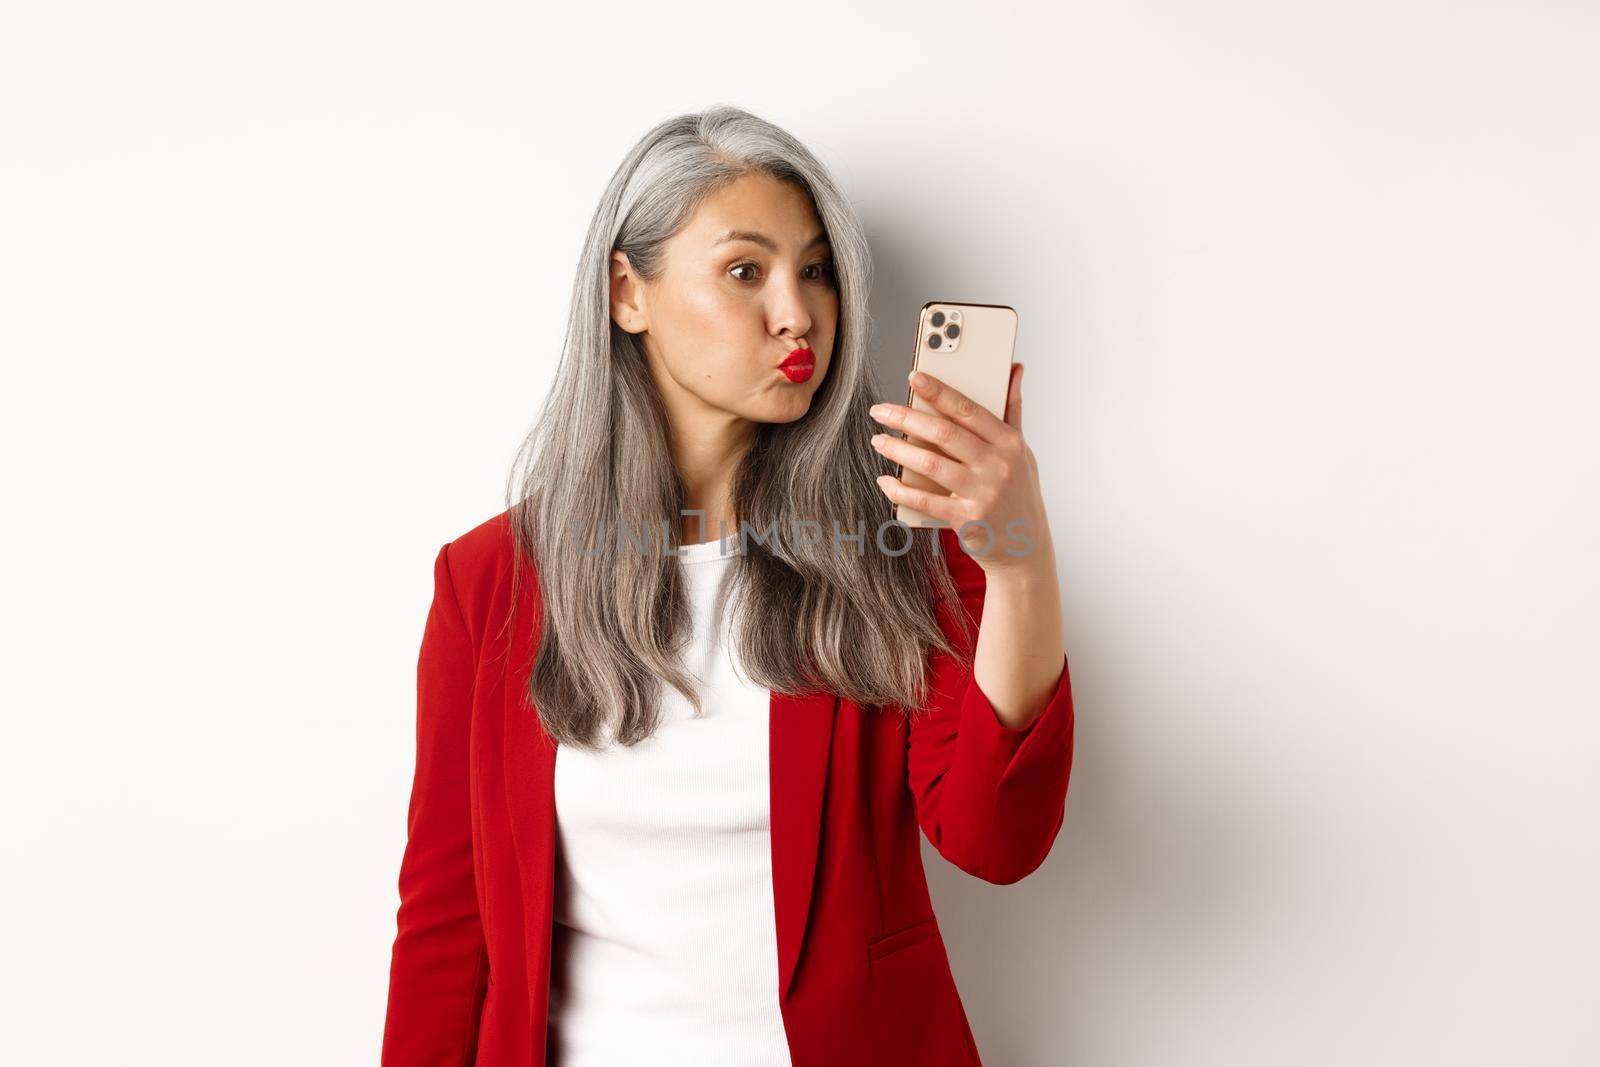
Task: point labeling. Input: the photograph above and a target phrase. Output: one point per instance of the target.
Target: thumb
(1014, 398)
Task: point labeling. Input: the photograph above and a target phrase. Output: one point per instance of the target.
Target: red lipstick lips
(798, 365)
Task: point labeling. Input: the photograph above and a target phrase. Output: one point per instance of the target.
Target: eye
(825, 268)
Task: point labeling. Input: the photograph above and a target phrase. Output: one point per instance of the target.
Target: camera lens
(952, 331)
(934, 340)
(938, 318)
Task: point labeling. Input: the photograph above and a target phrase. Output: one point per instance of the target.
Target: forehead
(755, 203)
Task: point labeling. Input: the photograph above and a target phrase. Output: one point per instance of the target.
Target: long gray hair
(808, 618)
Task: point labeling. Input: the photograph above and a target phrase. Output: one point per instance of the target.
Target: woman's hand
(988, 468)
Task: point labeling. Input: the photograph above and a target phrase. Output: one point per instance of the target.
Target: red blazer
(863, 975)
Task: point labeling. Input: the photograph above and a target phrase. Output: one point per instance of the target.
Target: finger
(958, 407)
(948, 472)
(936, 430)
(1014, 398)
(930, 504)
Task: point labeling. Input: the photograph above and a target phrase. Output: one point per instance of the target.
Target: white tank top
(665, 945)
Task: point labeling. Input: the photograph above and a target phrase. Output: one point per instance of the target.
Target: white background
(1307, 299)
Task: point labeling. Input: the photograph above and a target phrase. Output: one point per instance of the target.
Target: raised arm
(990, 784)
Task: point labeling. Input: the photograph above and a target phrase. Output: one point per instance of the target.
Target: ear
(627, 295)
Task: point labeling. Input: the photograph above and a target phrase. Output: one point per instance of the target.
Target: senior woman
(673, 748)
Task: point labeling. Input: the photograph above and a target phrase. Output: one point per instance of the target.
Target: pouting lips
(798, 356)
(799, 365)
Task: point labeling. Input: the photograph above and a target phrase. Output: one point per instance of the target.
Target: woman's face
(727, 311)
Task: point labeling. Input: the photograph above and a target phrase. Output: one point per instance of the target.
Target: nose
(787, 314)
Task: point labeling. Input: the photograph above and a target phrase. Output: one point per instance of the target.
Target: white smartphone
(968, 347)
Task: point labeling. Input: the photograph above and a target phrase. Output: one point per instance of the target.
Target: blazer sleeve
(989, 797)
(439, 966)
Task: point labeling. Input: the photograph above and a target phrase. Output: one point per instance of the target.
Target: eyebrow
(764, 241)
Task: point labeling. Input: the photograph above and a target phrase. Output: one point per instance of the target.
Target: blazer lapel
(529, 768)
(800, 736)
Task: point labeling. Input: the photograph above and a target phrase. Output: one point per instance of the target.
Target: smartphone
(968, 347)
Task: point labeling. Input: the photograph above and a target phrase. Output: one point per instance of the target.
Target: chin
(787, 411)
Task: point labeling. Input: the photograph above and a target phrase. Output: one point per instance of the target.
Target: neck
(707, 454)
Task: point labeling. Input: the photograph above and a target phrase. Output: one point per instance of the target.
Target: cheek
(708, 313)
(718, 332)
(825, 315)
